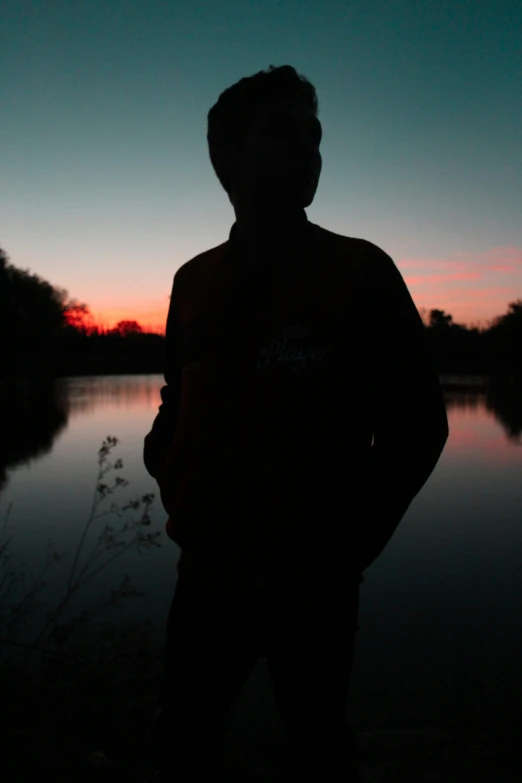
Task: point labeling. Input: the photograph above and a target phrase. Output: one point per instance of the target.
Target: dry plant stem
(104, 450)
(75, 581)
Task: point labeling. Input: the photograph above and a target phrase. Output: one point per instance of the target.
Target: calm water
(440, 608)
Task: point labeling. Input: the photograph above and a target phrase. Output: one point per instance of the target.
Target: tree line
(44, 331)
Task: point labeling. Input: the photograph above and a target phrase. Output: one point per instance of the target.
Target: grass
(82, 719)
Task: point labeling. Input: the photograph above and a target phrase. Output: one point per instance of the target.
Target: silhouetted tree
(512, 319)
(4, 299)
(126, 328)
(504, 340)
(439, 319)
(33, 316)
(41, 327)
(78, 316)
(4, 260)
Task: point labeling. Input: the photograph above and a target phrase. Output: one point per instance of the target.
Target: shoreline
(96, 724)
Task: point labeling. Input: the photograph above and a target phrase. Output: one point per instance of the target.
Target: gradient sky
(106, 183)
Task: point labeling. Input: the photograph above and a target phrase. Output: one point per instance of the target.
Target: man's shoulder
(339, 248)
(201, 266)
(348, 245)
(358, 258)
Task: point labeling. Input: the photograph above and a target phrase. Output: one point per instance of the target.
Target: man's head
(264, 136)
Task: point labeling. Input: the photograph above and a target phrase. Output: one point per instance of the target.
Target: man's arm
(158, 439)
(408, 408)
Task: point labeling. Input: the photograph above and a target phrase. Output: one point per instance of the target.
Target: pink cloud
(460, 260)
(494, 254)
(419, 279)
(464, 284)
(502, 267)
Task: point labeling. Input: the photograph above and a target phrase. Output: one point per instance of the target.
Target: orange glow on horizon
(463, 312)
(150, 320)
(474, 288)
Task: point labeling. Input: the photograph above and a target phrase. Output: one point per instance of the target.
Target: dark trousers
(214, 639)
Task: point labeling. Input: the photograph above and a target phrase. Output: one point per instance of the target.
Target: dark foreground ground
(93, 724)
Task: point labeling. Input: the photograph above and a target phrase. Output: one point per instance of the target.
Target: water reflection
(499, 396)
(32, 415)
(502, 397)
(89, 393)
(504, 400)
(448, 576)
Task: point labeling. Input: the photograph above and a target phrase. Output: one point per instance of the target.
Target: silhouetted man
(288, 349)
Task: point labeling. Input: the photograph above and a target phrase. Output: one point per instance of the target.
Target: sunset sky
(107, 187)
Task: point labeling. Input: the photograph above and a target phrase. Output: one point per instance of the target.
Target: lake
(440, 609)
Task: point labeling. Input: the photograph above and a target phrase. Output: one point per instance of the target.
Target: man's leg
(310, 645)
(210, 652)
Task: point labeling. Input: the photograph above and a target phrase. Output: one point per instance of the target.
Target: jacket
(301, 411)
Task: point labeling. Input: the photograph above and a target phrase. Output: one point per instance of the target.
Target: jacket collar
(275, 240)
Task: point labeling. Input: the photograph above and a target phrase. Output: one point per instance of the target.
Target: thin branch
(101, 457)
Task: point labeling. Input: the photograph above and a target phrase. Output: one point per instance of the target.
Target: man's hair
(230, 117)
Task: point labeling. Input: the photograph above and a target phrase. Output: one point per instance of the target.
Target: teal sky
(107, 186)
